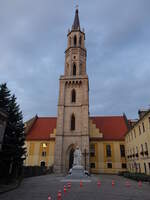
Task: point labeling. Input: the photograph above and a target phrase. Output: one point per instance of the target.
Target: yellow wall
(133, 141)
(34, 152)
(100, 159)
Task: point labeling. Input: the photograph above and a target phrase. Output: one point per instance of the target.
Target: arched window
(74, 69)
(69, 41)
(75, 40)
(80, 40)
(72, 122)
(73, 96)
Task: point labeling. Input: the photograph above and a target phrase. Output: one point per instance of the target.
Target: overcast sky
(33, 38)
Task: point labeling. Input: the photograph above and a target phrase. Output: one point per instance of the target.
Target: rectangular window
(92, 150)
(31, 149)
(124, 165)
(129, 137)
(142, 151)
(134, 133)
(137, 155)
(143, 126)
(139, 168)
(149, 167)
(139, 130)
(109, 165)
(122, 150)
(108, 150)
(146, 149)
(92, 165)
(43, 153)
(145, 168)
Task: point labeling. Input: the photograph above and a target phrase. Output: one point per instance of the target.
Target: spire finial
(76, 23)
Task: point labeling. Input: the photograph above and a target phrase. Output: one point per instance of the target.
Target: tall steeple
(73, 103)
(76, 23)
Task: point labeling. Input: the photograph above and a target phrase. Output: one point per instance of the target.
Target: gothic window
(75, 40)
(69, 41)
(80, 40)
(80, 69)
(72, 122)
(67, 68)
(74, 69)
(73, 96)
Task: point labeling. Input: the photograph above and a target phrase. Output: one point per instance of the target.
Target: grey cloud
(33, 40)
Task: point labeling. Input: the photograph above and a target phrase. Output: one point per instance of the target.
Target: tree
(13, 150)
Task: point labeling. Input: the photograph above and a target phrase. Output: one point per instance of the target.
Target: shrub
(137, 176)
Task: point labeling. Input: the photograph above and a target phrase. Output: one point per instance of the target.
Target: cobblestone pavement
(38, 188)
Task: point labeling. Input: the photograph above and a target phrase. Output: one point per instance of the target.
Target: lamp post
(85, 158)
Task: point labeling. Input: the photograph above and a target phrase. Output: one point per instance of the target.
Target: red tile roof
(42, 128)
(112, 127)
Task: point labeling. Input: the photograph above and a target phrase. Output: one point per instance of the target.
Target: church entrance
(71, 156)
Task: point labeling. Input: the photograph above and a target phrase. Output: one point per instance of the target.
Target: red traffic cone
(65, 190)
(81, 184)
(140, 183)
(69, 185)
(98, 183)
(113, 183)
(49, 197)
(59, 195)
(128, 184)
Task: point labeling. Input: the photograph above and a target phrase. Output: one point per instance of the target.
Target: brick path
(38, 188)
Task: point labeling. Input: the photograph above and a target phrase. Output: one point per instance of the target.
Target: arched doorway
(71, 158)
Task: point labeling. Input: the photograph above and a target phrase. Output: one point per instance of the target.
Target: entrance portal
(71, 156)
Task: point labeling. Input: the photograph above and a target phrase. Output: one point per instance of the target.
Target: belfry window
(72, 122)
(69, 41)
(74, 69)
(80, 40)
(75, 40)
(73, 96)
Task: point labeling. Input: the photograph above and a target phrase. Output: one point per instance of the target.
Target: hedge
(29, 171)
(136, 176)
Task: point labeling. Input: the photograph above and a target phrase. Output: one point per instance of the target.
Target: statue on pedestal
(77, 157)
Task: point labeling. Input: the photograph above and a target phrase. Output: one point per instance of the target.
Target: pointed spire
(76, 23)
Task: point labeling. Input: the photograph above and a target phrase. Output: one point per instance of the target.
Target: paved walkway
(38, 188)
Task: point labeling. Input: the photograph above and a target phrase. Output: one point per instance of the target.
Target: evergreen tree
(4, 97)
(13, 150)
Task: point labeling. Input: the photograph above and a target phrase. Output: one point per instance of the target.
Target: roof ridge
(108, 116)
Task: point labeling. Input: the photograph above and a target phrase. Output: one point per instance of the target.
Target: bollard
(98, 183)
(69, 185)
(140, 183)
(113, 183)
(65, 190)
(59, 195)
(127, 184)
(81, 184)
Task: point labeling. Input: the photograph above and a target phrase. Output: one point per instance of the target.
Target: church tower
(73, 103)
